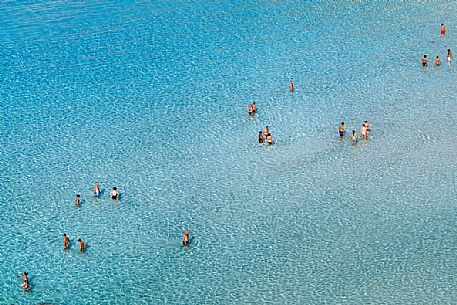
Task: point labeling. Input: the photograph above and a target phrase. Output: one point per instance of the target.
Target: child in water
(354, 137)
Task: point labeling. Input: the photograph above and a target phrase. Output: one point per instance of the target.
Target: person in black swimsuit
(114, 193)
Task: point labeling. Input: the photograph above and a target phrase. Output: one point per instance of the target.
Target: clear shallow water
(152, 97)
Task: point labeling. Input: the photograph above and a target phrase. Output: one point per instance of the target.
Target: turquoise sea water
(151, 97)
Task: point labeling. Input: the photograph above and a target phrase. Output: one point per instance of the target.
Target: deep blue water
(151, 97)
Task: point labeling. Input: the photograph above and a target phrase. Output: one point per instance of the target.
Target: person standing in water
(449, 55)
(26, 283)
(291, 86)
(185, 238)
(82, 245)
(354, 137)
(114, 193)
(250, 109)
(260, 137)
(269, 139)
(78, 200)
(364, 131)
(66, 241)
(437, 61)
(368, 126)
(96, 189)
(341, 130)
(442, 30)
(424, 60)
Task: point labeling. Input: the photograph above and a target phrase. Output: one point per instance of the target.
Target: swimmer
(260, 137)
(66, 241)
(269, 139)
(442, 30)
(96, 189)
(185, 238)
(78, 200)
(266, 131)
(291, 86)
(437, 61)
(449, 55)
(254, 107)
(424, 60)
(364, 131)
(82, 245)
(26, 284)
(354, 137)
(341, 130)
(114, 193)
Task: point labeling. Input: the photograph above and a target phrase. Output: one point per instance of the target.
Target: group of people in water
(66, 243)
(265, 135)
(97, 193)
(82, 244)
(449, 55)
(364, 131)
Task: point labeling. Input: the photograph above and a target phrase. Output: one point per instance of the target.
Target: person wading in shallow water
(66, 241)
(341, 130)
(260, 137)
(354, 137)
(82, 245)
(424, 60)
(96, 189)
(185, 238)
(114, 193)
(26, 283)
